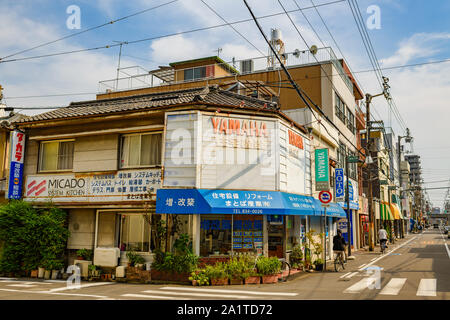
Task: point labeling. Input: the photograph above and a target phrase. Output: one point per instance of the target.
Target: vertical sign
(322, 176)
(16, 165)
(339, 177)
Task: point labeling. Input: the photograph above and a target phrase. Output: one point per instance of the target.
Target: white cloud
(419, 45)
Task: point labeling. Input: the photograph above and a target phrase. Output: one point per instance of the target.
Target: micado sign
(322, 174)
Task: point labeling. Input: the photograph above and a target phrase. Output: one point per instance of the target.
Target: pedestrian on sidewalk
(382, 235)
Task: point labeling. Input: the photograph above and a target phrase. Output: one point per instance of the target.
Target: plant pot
(41, 272)
(34, 273)
(194, 283)
(271, 278)
(236, 281)
(47, 274)
(253, 280)
(55, 274)
(319, 267)
(80, 258)
(219, 282)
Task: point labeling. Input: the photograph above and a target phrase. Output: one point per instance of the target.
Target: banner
(322, 170)
(17, 153)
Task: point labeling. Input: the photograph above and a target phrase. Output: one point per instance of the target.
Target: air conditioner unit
(106, 257)
(247, 66)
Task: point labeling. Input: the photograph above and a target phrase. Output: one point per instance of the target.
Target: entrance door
(276, 236)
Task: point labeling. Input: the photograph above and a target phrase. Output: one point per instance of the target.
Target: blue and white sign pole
(17, 153)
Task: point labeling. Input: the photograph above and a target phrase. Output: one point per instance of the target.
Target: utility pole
(349, 215)
(369, 167)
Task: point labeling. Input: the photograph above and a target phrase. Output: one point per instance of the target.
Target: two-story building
(231, 171)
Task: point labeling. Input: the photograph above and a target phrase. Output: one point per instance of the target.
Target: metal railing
(143, 79)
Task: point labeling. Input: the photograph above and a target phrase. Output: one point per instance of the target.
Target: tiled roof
(203, 95)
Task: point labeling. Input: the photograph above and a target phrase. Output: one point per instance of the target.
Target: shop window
(135, 233)
(141, 150)
(216, 236)
(56, 155)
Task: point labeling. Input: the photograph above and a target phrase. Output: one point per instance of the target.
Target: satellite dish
(296, 53)
(313, 49)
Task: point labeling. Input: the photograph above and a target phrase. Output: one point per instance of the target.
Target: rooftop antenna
(121, 43)
(219, 50)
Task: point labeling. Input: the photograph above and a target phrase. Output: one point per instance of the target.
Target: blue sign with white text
(339, 178)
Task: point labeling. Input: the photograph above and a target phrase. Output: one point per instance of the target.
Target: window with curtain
(56, 155)
(340, 107)
(141, 150)
(135, 233)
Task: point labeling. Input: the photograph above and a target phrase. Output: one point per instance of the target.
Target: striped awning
(396, 211)
(385, 211)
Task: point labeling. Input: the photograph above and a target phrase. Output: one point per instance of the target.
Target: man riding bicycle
(382, 235)
(339, 244)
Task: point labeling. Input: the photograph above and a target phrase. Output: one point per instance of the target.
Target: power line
(89, 29)
(162, 36)
(231, 26)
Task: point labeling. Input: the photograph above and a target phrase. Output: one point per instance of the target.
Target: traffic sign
(325, 196)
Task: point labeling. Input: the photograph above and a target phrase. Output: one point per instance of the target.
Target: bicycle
(383, 246)
(285, 269)
(339, 261)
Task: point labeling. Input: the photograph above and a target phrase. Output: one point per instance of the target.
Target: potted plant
(217, 274)
(134, 259)
(199, 278)
(235, 269)
(94, 272)
(296, 257)
(318, 263)
(269, 269)
(41, 271)
(84, 254)
(56, 266)
(252, 277)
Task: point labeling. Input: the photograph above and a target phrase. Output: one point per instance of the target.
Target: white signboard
(130, 185)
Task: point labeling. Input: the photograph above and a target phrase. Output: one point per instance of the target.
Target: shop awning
(396, 210)
(385, 211)
(334, 210)
(206, 201)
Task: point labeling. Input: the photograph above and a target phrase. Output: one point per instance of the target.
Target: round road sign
(325, 196)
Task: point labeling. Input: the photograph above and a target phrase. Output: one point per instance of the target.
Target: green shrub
(268, 266)
(296, 257)
(86, 254)
(201, 276)
(134, 258)
(218, 271)
(31, 237)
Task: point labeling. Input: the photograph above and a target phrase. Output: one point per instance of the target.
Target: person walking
(382, 235)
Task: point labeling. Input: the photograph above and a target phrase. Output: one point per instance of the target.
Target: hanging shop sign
(322, 170)
(17, 153)
(339, 183)
(127, 185)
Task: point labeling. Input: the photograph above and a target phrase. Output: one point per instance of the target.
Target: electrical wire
(162, 36)
(89, 29)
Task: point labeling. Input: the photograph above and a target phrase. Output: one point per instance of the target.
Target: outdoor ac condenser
(106, 257)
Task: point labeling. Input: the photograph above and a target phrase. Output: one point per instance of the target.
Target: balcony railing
(136, 77)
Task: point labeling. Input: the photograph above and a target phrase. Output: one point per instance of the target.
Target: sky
(410, 32)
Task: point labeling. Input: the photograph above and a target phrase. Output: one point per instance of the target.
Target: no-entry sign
(325, 196)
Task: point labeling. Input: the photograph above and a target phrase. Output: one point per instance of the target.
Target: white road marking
(192, 294)
(351, 275)
(427, 287)
(288, 294)
(152, 297)
(81, 286)
(23, 285)
(360, 285)
(363, 265)
(345, 275)
(393, 287)
(55, 293)
(383, 256)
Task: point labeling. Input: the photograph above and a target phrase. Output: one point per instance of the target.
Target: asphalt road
(414, 268)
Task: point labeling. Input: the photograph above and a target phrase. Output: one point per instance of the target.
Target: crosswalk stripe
(351, 275)
(21, 285)
(81, 286)
(288, 294)
(360, 285)
(192, 294)
(427, 287)
(393, 287)
(132, 295)
(344, 275)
